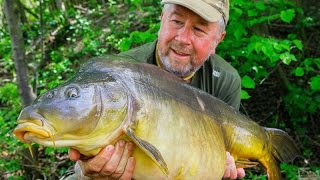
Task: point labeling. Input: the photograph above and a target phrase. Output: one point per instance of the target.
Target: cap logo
(220, 4)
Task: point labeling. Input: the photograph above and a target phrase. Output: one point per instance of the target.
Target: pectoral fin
(150, 150)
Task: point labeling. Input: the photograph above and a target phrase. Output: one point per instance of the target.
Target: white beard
(181, 72)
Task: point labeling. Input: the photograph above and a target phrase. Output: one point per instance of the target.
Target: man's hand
(231, 172)
(110, 163)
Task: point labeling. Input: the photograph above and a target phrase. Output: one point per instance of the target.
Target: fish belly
(190, 142)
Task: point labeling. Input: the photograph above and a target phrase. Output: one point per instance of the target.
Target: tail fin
(284, 149)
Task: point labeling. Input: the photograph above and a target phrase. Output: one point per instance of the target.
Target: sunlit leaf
(315, 83)
(298, 44)
(287, 58)
(244, 94)
(247, 82)
(287, 15)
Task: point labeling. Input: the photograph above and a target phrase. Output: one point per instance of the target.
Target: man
(189, 34)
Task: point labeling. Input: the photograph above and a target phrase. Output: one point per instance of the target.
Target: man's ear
(223, 34)
(161, 15)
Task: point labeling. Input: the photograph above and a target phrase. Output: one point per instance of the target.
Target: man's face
(186, 40)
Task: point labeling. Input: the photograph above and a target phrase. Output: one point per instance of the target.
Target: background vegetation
(274, 44)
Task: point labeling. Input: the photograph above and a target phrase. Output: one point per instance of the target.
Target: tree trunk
(60, 5)
(11, 11)
(13, 17)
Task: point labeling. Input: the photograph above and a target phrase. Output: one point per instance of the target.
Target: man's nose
(184, 36)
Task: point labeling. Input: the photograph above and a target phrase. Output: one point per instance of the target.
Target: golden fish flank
(180, 131)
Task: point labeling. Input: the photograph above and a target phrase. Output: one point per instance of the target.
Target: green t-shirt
(216, 76)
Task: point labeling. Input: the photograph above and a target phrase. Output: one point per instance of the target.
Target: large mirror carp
(180, 132)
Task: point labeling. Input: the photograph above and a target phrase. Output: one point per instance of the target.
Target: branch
(28, 10)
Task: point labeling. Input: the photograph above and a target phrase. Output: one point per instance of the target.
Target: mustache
(180, 47)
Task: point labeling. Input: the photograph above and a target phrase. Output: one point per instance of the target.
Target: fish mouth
(28, 132)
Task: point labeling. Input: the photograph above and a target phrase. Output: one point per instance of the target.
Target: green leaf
(49, 151)
(286, 44)
(287, 15)
(290, 170)
(247, 82)
(237, 12)
(258, 46)
(299, 72)
(260, 5)
(292, 36)
(307, 62)
(244, 94)
(252, 13)
(317, 62)
(298, 44)
(125, 44)
(239, 32)
(287, 58)
(315, 83)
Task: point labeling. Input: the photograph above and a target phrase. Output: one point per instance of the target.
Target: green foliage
(5, 47)
(291, 171)
(138, 38)
(244, 94)
(9, 95)
(315, 83)
(58, 70)
(9, 111)
(303, 98)
(250, 174)
(299, 72)
(52, 151)
(256, 56)
(247, 82)
(125, 39)
(287, 15)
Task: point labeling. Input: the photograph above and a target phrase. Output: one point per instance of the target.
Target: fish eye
(72, 92)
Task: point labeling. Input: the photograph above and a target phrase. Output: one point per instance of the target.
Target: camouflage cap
(210, 10)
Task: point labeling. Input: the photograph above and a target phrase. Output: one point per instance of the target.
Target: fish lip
(23, 128)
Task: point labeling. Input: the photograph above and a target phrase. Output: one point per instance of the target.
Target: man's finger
(96, 164)
(226, 174)
(128, 151)
(128, 172)
(230, 170)
(115, 159)
(74, 155)
(241, 173)
(233, 172)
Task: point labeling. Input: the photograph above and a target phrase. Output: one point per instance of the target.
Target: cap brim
(203, 9)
